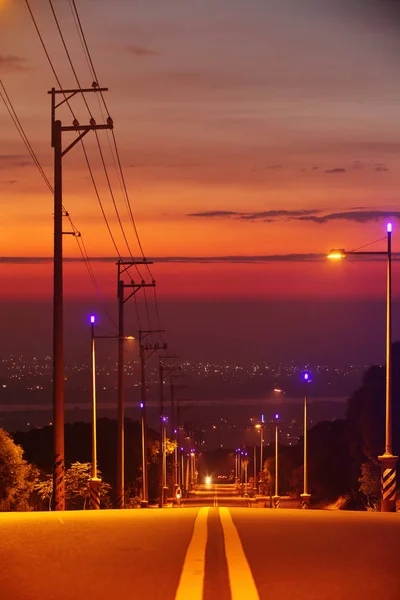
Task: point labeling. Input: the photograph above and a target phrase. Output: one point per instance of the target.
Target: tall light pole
(260, 428)
(305, 497)
(245, 465)
(146, 350)
(94, 482)
(388, 460)
(276, 498)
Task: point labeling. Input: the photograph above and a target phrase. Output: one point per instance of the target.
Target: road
(200, 554)
(215, 495)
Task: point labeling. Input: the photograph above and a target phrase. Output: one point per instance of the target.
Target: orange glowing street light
(387, 460)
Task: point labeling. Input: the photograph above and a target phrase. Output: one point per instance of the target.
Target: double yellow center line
(191, 583)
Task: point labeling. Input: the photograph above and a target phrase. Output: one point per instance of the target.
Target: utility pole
(123, 268)
(150, 349)
(175, 429)
(57, 130)
(163, 421)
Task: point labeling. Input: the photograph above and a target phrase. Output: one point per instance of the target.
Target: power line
(93, 71)
(11, 111)
(73, 114)
(97, 136)
(77, 235)
(69, 57)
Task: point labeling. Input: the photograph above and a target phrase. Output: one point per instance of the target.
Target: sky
(265, 129)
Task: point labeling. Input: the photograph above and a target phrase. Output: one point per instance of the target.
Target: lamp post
(388, 460)
(305, 497)
(276, 498)
(260, 428)
(245, 464)
(236, 465)
(94, 483)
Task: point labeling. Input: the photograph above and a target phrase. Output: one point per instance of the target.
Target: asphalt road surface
(199, 554)
(215, 495)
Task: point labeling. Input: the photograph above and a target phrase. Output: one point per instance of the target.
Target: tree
(17, 476)
(77, 479)
(369, 481)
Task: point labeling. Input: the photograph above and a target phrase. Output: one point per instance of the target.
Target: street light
(276, 498)
(388, 461)
(245, 464)
(305, 497)
(94, 483)
(260, 428)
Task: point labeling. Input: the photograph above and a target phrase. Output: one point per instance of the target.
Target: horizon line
(190, 259)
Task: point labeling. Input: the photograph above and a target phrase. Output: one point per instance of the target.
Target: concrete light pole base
(388, 482)
(144, 504)
(165, 496)
(94, 493)
(305, 500)
(276, 500)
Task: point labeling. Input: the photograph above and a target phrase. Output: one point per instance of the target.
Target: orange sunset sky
(245, 128)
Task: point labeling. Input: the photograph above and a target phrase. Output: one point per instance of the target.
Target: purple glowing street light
(305, 497)
(387, 459)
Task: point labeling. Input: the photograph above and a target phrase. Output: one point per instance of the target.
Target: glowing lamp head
(276, 416)
(306, 377)
(92, 319)
(389, 228)
(258, 426)
(337, 253)
(141, 405)
(208, 480)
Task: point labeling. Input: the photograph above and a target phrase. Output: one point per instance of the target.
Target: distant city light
(92, 319)
(208, 480)
(389, 228)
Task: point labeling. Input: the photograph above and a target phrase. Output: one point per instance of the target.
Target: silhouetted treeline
(38, 448)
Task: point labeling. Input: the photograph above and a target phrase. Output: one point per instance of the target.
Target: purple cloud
(140, 51)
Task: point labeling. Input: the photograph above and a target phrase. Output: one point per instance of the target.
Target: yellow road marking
(240, 576)
(191, 582)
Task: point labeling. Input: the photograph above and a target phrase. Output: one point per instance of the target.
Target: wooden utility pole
(58, 325)
(123, 268)
(163, 429)
(146, 350)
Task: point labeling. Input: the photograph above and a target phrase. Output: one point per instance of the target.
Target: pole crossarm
(148, 347)
(85, 129)
(127, 264)
(123, 267)
(72, 93)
